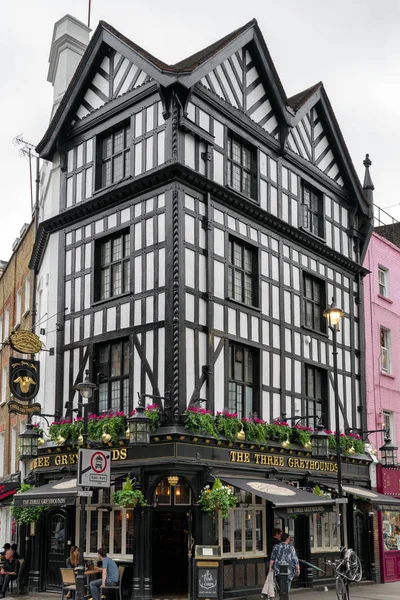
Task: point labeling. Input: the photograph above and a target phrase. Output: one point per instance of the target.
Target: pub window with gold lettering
(243, 532)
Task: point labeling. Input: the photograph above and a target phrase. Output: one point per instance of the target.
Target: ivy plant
(26, 514)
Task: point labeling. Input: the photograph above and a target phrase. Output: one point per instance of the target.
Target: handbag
(269, 585)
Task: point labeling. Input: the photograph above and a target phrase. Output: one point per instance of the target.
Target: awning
(8, 489)
(62, 492)
(380, 501)
(292, 500)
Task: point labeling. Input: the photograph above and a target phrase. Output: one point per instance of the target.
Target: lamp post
(85, 389)
(139, 426)
(333, 316)
(28, 443)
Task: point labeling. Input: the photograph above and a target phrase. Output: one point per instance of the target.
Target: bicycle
(347, 568)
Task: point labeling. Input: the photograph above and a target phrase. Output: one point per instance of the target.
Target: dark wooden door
(361, 546)
(56, 549)
(170, 552)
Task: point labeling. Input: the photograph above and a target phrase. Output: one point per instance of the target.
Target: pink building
(382, 328)
(382, 343)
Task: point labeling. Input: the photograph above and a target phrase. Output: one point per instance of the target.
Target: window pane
(118, 531)
(248, 528)
(126, 276)
(226, 541)
(115, 360)
(118, 141)
(129, 532)
(118, 168)
(94, 526)
(104, 284)
(105, 530)
(117, 283)
(117, 249)
(103, 397)
(107, 147)
(237, 536)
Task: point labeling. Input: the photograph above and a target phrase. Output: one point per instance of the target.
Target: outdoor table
(89, 572)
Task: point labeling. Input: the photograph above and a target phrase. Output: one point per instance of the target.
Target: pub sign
(24, 378)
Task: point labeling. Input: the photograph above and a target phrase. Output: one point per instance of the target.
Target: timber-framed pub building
(198, 222)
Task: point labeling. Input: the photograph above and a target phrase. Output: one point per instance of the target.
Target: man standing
(275, 539)
(8, 572)
(109, 574)
(285, 552)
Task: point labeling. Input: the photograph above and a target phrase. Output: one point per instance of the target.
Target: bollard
(283, 581)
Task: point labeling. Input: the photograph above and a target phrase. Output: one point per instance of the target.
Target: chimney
(70, 39)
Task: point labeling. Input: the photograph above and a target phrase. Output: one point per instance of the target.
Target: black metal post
(80, 571)
(337, 425)
(283, 581)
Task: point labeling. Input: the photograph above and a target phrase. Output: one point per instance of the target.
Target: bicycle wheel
(341, 590)
(354, 568)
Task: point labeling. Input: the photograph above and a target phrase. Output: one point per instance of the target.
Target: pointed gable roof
(261, 95)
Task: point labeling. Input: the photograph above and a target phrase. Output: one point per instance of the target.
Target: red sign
(391, 481)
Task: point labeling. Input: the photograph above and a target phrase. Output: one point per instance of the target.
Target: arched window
(166, 494)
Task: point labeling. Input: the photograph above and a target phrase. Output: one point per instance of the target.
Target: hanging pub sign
(25, 342)
(24, 409)
(24, 378)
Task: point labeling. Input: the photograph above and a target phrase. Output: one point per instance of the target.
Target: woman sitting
(73, 559)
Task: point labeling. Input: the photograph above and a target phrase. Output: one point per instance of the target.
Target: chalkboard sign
(207, 581)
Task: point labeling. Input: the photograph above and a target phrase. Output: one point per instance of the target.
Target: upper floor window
(241, 167)
(113, 360)
(18, 307)
(114, 156)
(27, 295)
(313, 211)
(241, 380)
(388, 423)
(242, 274)
(6, 324)
(383, 281)
(314, 302)
(386, 352)
(113, 266)
(4, 375)
(316, 393)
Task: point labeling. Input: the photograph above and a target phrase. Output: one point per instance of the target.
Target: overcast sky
(353, 46)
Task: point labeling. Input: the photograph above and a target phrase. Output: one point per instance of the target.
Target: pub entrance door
(170, 552)
(56, 551)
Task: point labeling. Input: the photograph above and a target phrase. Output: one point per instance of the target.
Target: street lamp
(389, 453)
(28, 443)
(85, 389)
(319, 442)
(139, 426)
(333, 314)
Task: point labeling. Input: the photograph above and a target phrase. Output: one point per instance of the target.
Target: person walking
(284, 552)
(109, 575)
(8, 572)
(272, 541)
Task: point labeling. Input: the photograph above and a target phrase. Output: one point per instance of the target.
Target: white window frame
(99, 544)
(4, 375)
(27, 299)
(386, 350)
(2, 452)
(252, 507)
(13, 455)
(6, 322)
(329, 518)
(18, 307)
(383, 281)
(388, 423)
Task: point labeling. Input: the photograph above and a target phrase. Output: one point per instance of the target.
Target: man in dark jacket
(8, 572)
(275, 539)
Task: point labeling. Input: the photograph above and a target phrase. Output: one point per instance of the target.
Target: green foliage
(277, 431)
(153, 412)
(219, 498)
(113, 423)
(129, 496)
(346, 443)
(255, 432)
(228, 425)
(300, 436)
(26, 514)
(199, 420)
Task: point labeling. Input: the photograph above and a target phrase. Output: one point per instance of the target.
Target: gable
(115, 76)
(309, 140)
(238, 81)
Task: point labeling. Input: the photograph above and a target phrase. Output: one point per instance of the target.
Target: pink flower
(133, 412)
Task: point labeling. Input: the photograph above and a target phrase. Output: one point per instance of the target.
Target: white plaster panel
(219, 279)
(190, 363)
(202, 312)
(111, 318)
(189, 268)
(189, 307)
(218, 167)
(231, 321)
(219, 382)
(218, 317)
(98, 322)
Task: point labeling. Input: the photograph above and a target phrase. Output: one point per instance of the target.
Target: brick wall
(12, 280)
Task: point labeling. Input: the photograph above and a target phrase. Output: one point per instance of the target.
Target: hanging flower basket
(27, 514)
(129, 497)
(218, 499)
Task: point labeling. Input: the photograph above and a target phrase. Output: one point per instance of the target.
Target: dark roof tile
(297, 101)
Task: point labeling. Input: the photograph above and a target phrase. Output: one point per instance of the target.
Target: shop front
(388, 483)
(273, 487)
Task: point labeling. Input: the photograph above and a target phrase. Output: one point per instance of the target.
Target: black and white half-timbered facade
(204, 222)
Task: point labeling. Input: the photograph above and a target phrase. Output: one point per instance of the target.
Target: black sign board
(24, 409)
(24, 378)
(207, 580)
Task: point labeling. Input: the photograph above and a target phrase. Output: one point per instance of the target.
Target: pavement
(384, 591)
